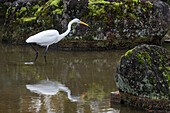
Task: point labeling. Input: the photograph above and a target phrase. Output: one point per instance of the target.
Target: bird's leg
(35, 53)
(45, 54)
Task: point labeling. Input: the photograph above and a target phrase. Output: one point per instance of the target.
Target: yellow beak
(84, 23)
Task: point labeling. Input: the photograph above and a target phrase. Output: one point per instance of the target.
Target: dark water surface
(70, 82)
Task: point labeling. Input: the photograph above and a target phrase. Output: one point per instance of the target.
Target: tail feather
(28, 40)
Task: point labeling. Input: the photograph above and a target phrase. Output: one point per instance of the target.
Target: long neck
(67, 31)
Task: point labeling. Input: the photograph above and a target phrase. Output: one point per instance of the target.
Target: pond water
(70, 82)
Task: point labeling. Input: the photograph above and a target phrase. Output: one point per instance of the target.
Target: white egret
(48, 37)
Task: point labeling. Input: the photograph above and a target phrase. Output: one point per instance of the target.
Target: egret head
(76, 20)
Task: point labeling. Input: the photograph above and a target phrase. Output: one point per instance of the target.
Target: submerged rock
(124, 23)
(143, 77)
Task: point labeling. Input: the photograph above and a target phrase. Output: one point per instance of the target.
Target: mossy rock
(144, 71)
(123, 21)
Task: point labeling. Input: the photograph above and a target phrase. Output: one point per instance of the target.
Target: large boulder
(143, 77)
(123, 23)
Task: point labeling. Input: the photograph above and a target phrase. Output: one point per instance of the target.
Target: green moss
(116, 4)
(160, 59)
(160, 68)
(23, 9)
(150, 4)
(142, 74)
(166, 74)
(54, 2)
(35, 7)
(91, 2)
(130, 52)
(7, 12)
(140, 58)
(17, 14)
(133, 16)
(13, 8)
(148, 48)
(136, 1)
(57, 10)
(148, 60)
(144, 8)
(98, 8)
(38, 10)
(28, 19)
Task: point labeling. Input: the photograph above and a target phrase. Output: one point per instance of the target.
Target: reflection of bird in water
(48, 37)
(47, 87)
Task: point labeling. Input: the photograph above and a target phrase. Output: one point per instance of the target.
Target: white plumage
(44, 38)
(48, 37)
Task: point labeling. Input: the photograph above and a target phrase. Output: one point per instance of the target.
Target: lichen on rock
(144, 71)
